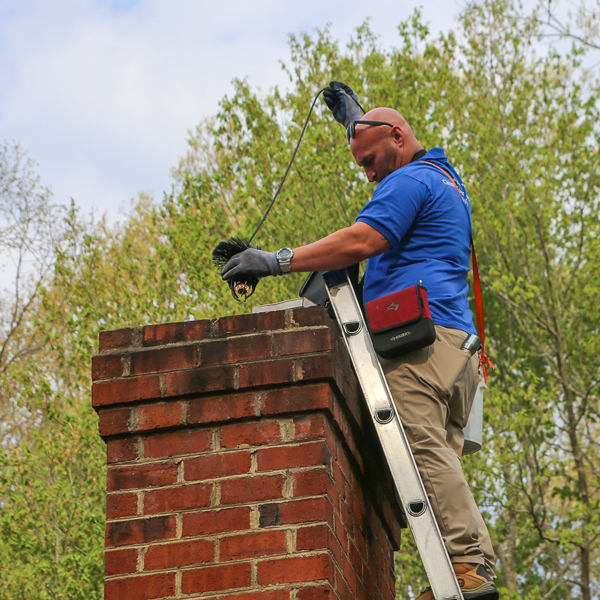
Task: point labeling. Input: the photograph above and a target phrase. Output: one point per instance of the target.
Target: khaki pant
(433, 389)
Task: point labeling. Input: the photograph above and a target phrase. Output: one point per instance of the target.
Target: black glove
(251, 262)
(342, 102)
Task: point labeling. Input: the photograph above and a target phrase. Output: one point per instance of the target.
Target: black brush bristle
(243, 285)
(228, 248)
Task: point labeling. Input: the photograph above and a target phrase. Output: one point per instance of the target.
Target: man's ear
(397, 135)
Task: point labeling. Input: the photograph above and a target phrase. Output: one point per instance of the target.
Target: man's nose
(370, 175)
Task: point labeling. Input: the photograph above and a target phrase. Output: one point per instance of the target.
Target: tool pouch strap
(484, 361)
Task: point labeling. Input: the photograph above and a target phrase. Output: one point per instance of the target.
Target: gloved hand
(251, 262)
(342, 102)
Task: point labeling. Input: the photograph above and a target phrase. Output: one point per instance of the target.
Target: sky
(102, 93)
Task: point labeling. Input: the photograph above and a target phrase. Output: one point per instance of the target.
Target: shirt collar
(418, 155)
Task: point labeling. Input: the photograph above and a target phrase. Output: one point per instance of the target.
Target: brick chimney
(240, 463)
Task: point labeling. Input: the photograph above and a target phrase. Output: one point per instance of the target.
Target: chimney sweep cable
(228, 248)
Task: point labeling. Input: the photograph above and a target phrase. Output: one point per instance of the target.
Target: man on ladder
(414, 229)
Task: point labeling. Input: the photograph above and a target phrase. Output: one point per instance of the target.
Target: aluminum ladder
(407, 480)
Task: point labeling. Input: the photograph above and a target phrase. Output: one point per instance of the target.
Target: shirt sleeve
(394, 207)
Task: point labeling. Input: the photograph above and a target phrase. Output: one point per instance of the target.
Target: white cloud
(102, 93)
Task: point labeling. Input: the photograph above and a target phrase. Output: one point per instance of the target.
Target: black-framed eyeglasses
(351, 129)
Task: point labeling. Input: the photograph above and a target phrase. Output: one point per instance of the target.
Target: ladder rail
(407, 480)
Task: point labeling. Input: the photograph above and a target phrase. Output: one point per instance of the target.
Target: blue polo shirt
(419, 211)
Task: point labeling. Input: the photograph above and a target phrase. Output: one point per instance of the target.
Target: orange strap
(484, 361)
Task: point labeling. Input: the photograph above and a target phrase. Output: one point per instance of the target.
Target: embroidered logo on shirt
(463, 194)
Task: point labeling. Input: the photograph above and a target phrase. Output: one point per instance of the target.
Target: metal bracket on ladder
(407, 481)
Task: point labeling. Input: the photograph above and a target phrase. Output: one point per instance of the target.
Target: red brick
(251, 545)
(216, 521)
(340, 480)
(167, 359)
(376, 569)
(343, 591)
(242, 324)
(358, 493)
(311, 426)
(297, 399)
(117, 562)
(344, 464)
(186, 441)
(179, 498)
(125, 390)
(347, 519)
(312, 483)
(251, 434)
(140, 531)
(291, 570)
(221, 577)
(160, 416)
(271, 595)
(321, 592)
(269, 515)
(311, 316)
(312, 538)
(317, 367)
(107, 367)
(257, 347)
(357, 512)
(199, 381)
(178, 554)
(383, 540)
(361, 544)
(121, 450)
(341, 533)
(121, 505)
(349, 574)
(341, 419)
(118, 338)
(174, 333)
(146, 587)
(296, 511)
(113, 422)
(368, 581)
(251, 489)
(388, 582)
(382, 556)
(305, 511)
(141, 476)
(221, 408)
(334, 548)
(270, 372)
(394, 520)
(302, 342)
(387, 592)
(361, 593)
(212, 466)
(347, 419)
(287, 457)
(355, 560)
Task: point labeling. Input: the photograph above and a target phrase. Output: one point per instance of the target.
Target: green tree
(29, 231)
(581, 26)
(520, 127)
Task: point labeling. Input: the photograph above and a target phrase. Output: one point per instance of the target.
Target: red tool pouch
(400, 322)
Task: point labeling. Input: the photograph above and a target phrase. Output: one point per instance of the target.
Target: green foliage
(51, 524)
(521, 129)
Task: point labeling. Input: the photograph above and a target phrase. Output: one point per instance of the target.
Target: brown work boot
(475, 583)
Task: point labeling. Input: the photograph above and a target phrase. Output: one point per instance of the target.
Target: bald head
(386, 114)
(382, 149)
